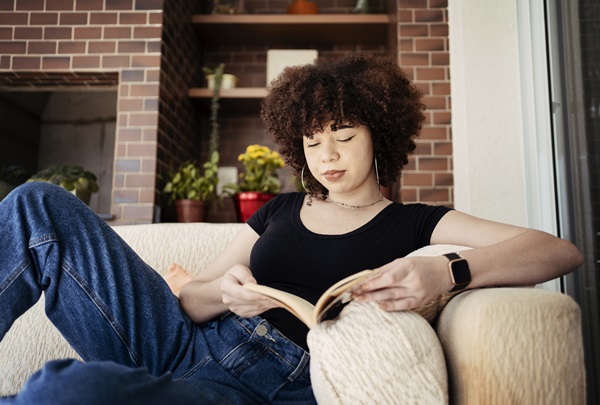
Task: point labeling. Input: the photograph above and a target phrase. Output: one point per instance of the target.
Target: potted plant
(191, 189)
(76, 179)
(217, 79)
(259, 183)
(10, 177)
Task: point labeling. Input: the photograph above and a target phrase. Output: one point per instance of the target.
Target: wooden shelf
(245, 100)
(262, 29)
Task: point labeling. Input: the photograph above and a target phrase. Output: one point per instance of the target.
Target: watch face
(460, 272)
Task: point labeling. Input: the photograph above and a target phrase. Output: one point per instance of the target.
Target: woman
(345, 128)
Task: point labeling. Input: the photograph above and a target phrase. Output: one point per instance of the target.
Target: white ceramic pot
(228, 82)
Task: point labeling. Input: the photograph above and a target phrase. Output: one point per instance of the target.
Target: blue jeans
(123, 320)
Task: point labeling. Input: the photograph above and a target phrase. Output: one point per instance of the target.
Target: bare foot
(177, 277)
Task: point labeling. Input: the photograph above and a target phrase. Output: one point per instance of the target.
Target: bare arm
(218, 287)
(502, 255)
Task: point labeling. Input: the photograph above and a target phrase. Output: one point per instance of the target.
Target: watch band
(459, 271)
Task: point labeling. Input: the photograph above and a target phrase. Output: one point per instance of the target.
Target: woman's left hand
(406, 283)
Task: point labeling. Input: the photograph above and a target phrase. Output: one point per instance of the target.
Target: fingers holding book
(240, 300)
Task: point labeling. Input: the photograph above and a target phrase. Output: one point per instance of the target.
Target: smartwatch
(459, 271)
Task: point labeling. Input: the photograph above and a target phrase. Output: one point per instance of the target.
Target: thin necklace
(355, 206)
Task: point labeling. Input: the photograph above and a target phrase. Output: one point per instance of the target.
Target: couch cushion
(369, 356)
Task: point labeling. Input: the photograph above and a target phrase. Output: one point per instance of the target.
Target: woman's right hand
(239, 300)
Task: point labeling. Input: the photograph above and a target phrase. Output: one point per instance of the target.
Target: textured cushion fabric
(406, 358)
(370, 356)
(513, 345)
(33, 340)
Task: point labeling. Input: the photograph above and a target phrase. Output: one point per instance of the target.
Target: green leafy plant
(190, 183)
(13, 175)
(260, 164)
(70, 177)
(215, 105)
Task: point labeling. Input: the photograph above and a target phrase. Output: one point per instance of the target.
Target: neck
(356, 204)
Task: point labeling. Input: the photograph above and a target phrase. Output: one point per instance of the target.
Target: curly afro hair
(366, 90)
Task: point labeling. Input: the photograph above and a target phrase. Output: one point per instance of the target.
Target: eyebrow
(335, 127)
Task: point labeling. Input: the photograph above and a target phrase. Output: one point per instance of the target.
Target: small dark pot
(190, 210)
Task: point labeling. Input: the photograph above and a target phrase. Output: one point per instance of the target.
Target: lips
(333, 175)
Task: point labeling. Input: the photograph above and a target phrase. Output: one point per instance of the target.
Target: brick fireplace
(148, 53)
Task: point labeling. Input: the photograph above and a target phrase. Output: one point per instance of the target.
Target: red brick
(133, 18)
(117, 32)
(152, 75)
(26, 62)
(145, 61)
(438, 30)
(130, 105)
(403, 4)
(429, 15)
(138, 211)
(41, 47)
(7, 5)
(119, 4)
(434, 133)
(433, 163)
(442, 118)
(408, 195)
(73, 18)
(442, 148)
(29, 5)
(6, 33)
(154, 46)
(28, 33)
(149, 135)
(442, 88)
(56, 62)
(438, 3)
(139, 180)
(131, 47)
(413, 30)
(88, 33)
(443, 179)
(147, 32)
(406, 45)
(117, 61)
(143, 119)
(434, 195)
(14, 18)
(406, 16)
(58, 33)
(60, 5)
(130, 134)
(155, 18)
(413, 59)
(440, 58)
(13, 47)
(149, 4)
(102, 47)
(419, 179)
(424, 73)
(125, 196)
(89, 4)
(423, 148)
(435, 102)
(71, 47)
(4, 62)
(103, 18)
(141, 149)
(43, 19)
(144, 90)
(86, 62)
(430, 44)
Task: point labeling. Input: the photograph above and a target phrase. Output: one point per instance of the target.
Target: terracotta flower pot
(248, 202)
(303, 7)
(190, 210)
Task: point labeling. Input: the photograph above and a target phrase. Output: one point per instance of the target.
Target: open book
(327, 307)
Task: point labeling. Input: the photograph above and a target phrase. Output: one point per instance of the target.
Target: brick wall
(80, 37)
(158, 127)
(424, 54)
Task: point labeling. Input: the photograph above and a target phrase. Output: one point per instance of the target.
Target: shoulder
(281, 204)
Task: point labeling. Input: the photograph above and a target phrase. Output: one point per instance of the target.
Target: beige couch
(490, 346)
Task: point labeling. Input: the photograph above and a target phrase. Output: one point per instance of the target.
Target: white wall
(489, 172)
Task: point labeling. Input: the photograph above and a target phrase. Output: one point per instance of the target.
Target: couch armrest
(513, 345)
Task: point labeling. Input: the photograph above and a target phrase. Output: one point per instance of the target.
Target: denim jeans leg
(70, 382)
(101, 296)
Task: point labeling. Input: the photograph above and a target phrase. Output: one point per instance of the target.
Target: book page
(301, 308)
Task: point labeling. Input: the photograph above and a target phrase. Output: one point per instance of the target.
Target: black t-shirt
(289, 257)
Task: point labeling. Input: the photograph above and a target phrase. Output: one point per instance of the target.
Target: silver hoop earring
(302, 178)
(376, 171)
(309, 200)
